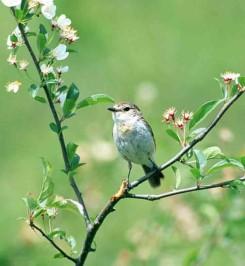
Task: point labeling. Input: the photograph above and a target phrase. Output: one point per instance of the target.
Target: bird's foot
(121, 192)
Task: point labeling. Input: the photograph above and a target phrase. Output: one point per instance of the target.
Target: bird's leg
(129, 170)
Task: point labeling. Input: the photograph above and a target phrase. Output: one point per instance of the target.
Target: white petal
(11, 3)
(48, 11)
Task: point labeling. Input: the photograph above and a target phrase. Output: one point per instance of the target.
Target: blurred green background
(156, 54)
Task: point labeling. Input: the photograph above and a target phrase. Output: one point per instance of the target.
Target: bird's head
(124, 111)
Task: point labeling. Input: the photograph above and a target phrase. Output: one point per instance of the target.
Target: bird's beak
(112, 109)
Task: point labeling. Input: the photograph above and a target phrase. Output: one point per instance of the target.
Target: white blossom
(11, 3)
(13, 86)
(69, 34)
(61, 22)
(230, 76)
(12, 59)
(60, 70)
(46, 69)
(23, 64)
(60, 53)
(48, 11)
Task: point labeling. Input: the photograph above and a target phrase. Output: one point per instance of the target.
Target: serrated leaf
(95, 99)
(201, 160)
(228, 162)
(203, 112)
(213, 152)
(177, 176)
(173, 134)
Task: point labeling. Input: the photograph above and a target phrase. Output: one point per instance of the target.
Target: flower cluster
(48, 56)
(228, 77)
(67, 32)
(169, 116)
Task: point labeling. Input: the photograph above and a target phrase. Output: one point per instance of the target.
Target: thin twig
(52, 242)
(223, 184)
(57, 122)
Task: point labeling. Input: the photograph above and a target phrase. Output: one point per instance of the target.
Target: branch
(109, 207)
(199, 138)
(52, 242)
(57, 122)
(223, 184)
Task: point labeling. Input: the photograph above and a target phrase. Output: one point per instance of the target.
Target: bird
(134, 139)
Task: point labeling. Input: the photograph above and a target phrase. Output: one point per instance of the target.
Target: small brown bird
(134, 139)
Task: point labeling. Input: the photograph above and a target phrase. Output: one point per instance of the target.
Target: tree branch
(57, 122)
(199, 138)
(109, 207)
(52, 242)
(223, 184)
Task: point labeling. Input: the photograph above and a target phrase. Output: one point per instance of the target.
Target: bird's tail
(155, 179)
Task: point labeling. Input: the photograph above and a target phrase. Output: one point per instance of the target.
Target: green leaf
(196, 133)
(203, 112)
(47, 190)
(196, 173)
(177, 176)
(41, 42)
(242, 159)
(201, 160)
(58, 256)
(173, 134)
(30, 202)
(234, 90)
(228, 162)
(42, 29)
(71, 150)
(95, 99)
(241, 81)
(70, 101)
(40, 99)
(223, 88)
(213, 152)
(237, 184)
(13, 38)
(33, 90)
(57, 233)
(31, 34)
(54, 127)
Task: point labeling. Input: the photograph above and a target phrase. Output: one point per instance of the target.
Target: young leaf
(31, 203)
(228, 162)
(196, 173)
(213, 152)
(196, 133)
(177, 176)
(58, 256)
(71, 150)
(173, 134)
(54, 127)
(242, 159)
(95, 99)
(201, 160)
(203, 112)
(241, 81)
(40, 99)
(57, 232)
(41, 42)
(47, 192)
(33, 90)
(70, 101)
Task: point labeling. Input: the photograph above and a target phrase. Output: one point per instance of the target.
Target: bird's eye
(126, 109)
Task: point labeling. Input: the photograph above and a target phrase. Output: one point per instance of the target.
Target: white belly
(135, 143)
